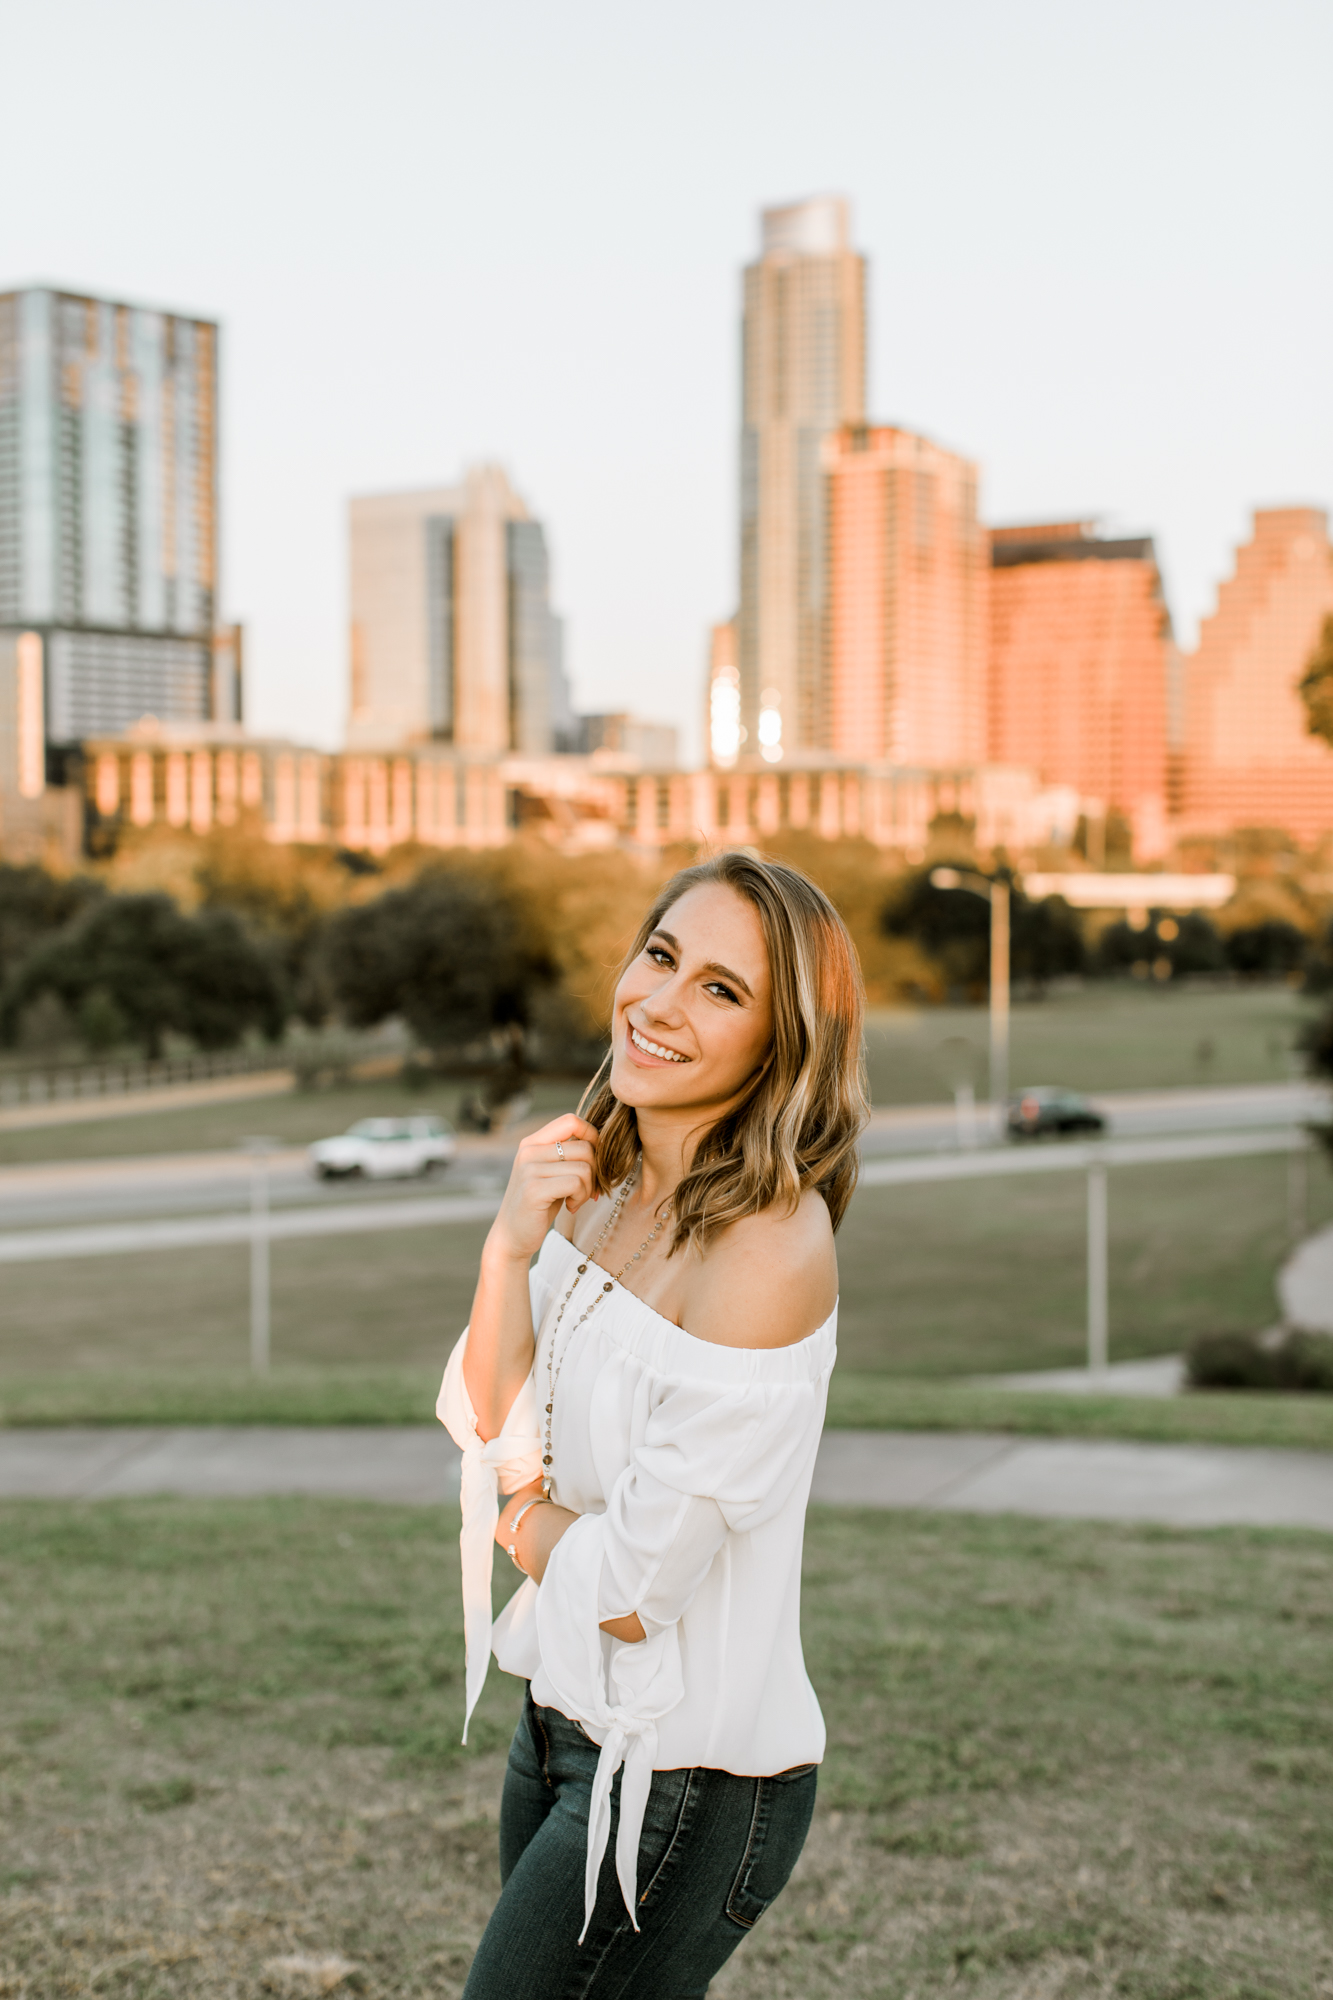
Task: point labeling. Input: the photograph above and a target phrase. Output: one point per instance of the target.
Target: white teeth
(655, 1048)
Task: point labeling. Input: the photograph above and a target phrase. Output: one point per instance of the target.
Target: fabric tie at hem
(633, 1743)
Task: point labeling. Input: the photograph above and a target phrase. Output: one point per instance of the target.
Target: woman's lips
(645, 1057)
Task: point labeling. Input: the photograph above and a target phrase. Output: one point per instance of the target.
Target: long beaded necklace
(553, 1366)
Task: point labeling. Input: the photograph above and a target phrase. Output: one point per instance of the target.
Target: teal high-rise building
(109, 513)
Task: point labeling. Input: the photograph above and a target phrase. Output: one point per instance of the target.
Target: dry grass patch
(1065, 1760)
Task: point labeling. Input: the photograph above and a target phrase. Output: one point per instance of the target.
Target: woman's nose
(662, 1004)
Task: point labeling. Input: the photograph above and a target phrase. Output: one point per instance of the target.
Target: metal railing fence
(1096, 1159)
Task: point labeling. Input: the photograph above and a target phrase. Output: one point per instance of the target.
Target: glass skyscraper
(108, 510)
(803, 375)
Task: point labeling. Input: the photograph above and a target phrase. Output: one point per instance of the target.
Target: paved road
(1195, 1486)
(234, 1225)
(921, 1128)
(104, 1191)
(97, 1191)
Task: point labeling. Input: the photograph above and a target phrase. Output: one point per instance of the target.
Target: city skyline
(882, 623)
(1144, 341)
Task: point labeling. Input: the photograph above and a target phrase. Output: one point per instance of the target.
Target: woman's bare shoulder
(767, 1281)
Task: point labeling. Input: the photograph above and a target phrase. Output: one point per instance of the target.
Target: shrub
(1316, 1043)
(1295, 1360)
(1267, 948)
(1191, 944)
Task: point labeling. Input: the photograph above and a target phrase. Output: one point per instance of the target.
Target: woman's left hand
(547, 1525)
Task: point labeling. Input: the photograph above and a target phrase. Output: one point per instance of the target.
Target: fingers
(566, 1127)
(548, 1183)
(564, 1149)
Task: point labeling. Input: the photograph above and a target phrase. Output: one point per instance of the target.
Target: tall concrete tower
(803, 376)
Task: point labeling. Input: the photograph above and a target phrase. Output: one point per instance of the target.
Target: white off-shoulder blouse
(689, 1465)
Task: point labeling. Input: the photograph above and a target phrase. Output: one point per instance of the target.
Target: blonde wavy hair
(798, 1122)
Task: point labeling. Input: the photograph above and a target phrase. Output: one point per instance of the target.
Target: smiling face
(693, 1012)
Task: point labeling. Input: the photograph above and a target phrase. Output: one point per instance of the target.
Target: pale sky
(1099, 243)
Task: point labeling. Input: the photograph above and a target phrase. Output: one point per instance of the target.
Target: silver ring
(559, 1150)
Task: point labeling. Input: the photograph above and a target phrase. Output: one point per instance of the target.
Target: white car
(385, 1148)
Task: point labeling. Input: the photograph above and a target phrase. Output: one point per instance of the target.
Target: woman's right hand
(540, 1183)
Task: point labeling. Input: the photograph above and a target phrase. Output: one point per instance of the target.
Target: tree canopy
(952, 926)
(447, 953)
(136, 967)
(1189, 943)
(33, 904)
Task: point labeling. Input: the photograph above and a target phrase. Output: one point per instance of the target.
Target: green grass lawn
(1063, 1759)
(366, 1395)
(944, 1279)
(1112, 1036)
(987, 1276)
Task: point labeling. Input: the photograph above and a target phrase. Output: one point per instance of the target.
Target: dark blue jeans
(716, 1850)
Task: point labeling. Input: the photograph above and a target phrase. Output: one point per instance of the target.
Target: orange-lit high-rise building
(1249, 760)
(1081, 662)
(908, 576)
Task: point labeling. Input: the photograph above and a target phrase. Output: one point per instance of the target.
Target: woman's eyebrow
(734, 977)
(722, 971)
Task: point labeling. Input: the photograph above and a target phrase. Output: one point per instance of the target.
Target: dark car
(1045, 1108)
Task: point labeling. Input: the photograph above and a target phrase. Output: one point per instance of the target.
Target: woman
(656, 1438)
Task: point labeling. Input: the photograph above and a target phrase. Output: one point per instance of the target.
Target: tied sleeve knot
(620, 1689)
(632, 1742)
(512, 1459)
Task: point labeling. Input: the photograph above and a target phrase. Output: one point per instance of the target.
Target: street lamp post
(997, 894)
(260, 1319)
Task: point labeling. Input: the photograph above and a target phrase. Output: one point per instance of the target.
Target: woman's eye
(656, 951)
(716, 986)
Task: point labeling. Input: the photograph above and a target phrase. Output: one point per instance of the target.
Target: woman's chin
(637, 1085)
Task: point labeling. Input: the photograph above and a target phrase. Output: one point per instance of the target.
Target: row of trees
(458, 950)
(441, 953)
(222, 939)
(1048, 941)
(132, 969)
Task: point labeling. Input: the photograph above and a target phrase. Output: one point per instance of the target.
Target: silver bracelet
(512, 1551)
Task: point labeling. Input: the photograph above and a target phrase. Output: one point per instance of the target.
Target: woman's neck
(668, 1139)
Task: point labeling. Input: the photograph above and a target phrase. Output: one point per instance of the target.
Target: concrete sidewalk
(1194, 1486)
